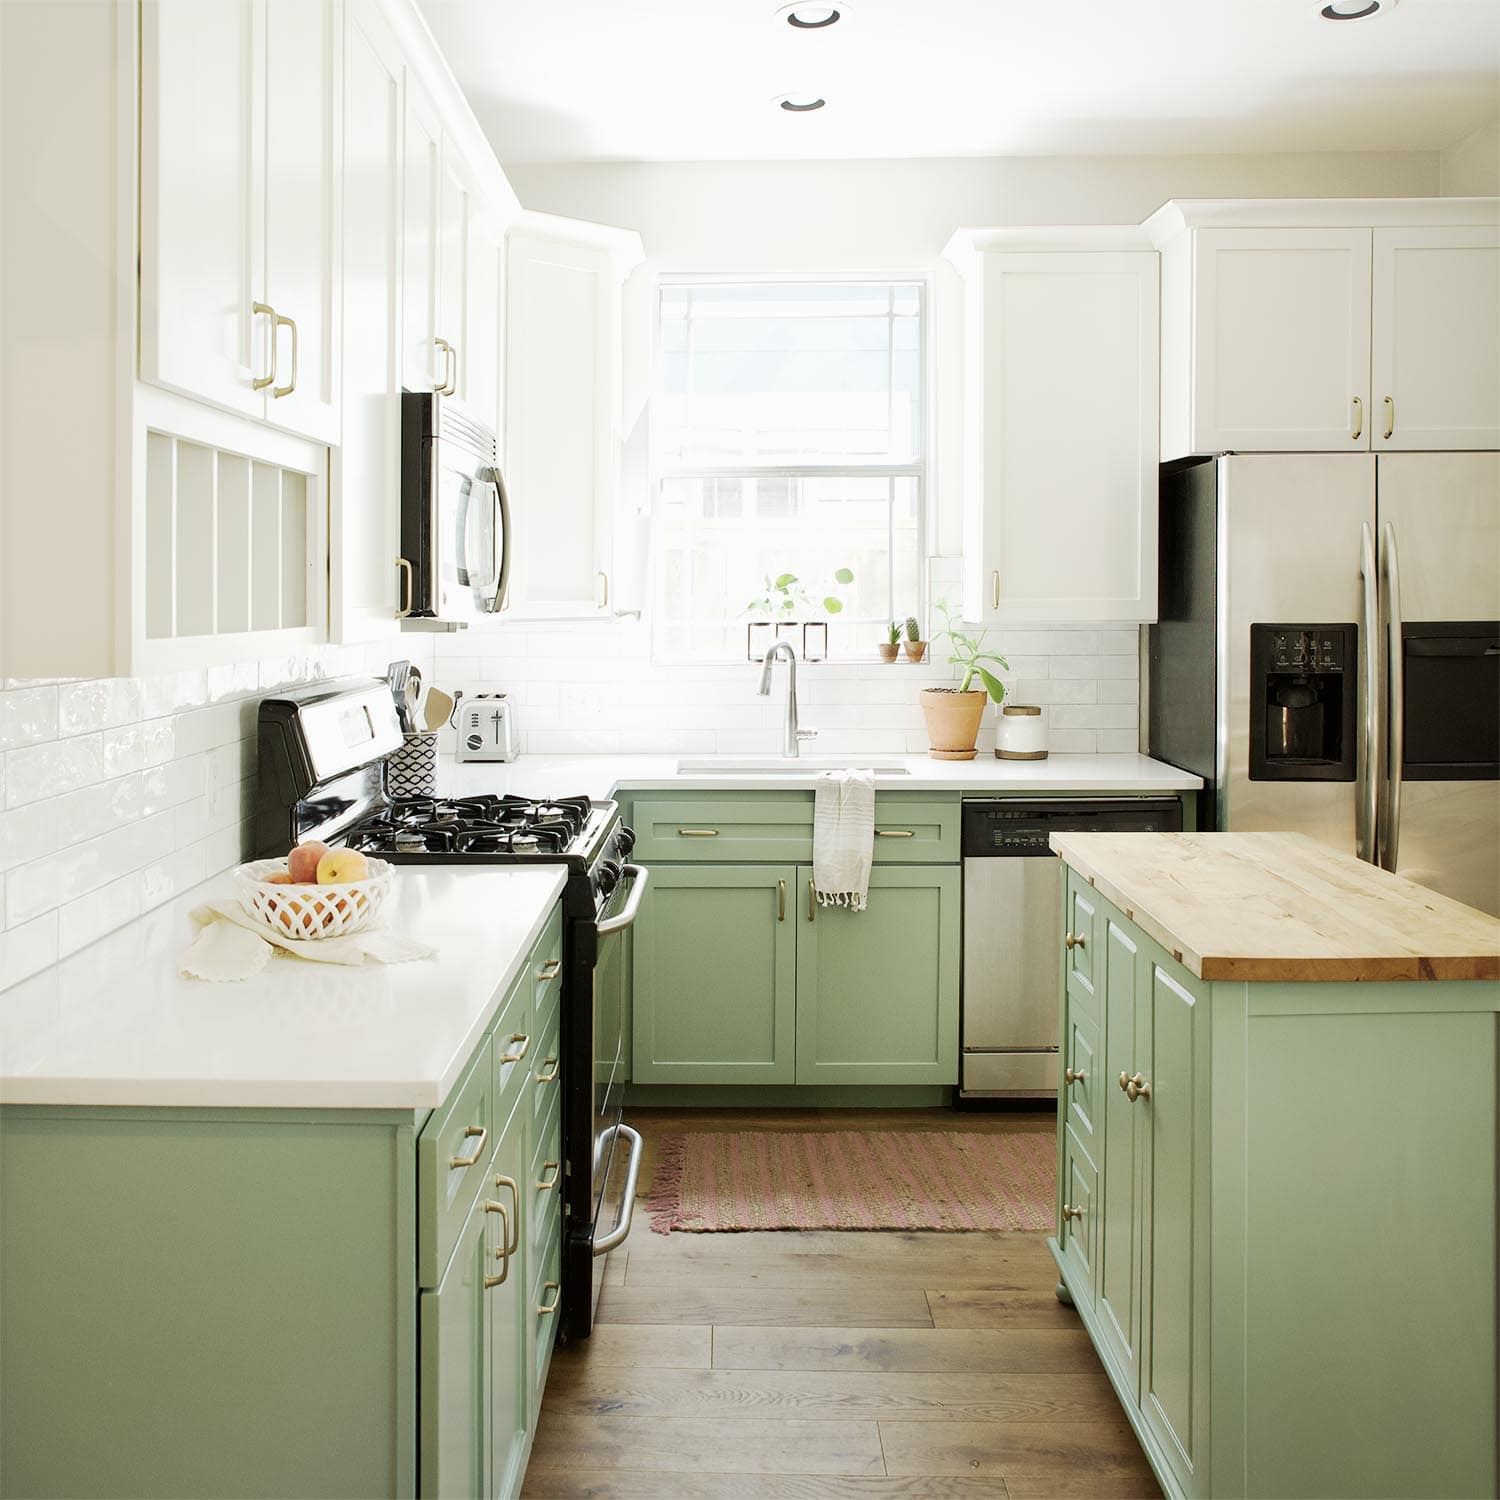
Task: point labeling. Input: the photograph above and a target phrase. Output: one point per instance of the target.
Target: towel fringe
(853, 900)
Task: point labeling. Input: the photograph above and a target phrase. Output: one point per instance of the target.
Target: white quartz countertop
(604, 775)
(117, 1024)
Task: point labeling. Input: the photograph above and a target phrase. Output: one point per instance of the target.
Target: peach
(279, 877)
(339, 866)
(302, 863)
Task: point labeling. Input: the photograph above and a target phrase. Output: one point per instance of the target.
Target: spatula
(439, 709)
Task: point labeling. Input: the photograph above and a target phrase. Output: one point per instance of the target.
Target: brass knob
(1124, 1080)
(1135, 1088)
(1071, 1077)
(1069, 1212)
(1074, 940)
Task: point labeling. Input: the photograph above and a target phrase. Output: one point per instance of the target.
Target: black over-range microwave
(455, 514)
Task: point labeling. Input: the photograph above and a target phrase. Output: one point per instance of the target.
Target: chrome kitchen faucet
(792, 742)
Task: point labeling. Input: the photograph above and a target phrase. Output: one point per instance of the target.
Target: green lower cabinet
(715, 958)
(510, 1389)
(877, 990)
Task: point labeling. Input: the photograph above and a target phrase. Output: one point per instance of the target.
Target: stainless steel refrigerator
(1327, 655)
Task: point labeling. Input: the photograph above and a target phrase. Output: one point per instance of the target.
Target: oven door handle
(639, 877)
(617, 1235)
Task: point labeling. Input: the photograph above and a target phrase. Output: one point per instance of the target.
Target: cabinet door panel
(507, 1306)
(1078, 1234)
(715, 976)
(877, 990)
(1173, 1257)
(420, 364)
(1118, 1262)
(202, 221)
(481, 335)
(454, 205)
(1435, 356)
(1281, 340)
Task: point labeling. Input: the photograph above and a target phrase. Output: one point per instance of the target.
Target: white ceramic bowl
(311, 911)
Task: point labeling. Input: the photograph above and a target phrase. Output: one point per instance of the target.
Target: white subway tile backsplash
(49, 770)
(86, 706)
(27, 716)
(26, 948)
(92, 915)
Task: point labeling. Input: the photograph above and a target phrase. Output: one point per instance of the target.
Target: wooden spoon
(439, 708)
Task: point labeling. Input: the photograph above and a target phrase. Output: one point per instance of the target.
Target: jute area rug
(708, 1183)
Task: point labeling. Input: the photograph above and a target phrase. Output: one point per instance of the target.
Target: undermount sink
(783, 765)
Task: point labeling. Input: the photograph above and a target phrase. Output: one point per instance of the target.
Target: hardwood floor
(832, 1366)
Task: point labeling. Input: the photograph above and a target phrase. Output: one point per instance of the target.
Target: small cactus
(913, 630)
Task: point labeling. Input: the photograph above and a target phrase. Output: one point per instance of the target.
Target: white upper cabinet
(483, 337)
(1060, 424)
(455, 207)
(1435, 353)
(562, 410)
(1329, 327)
(239, 218)
(421, 364)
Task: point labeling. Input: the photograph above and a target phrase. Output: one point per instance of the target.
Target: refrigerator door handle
(1390, 822)
(1368, 790)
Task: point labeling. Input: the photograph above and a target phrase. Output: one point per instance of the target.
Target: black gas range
(322, 773)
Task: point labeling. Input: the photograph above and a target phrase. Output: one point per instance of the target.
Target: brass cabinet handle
(781, 901)
(552, 1076)
(291, 385)
(445, 389)
(1135, 1088)
(997, 588)
(542, 1308)
(812, 902)
(604, 578)
(1075, 940)
(480, 1134)
(260, 382)
(1390, 415)
(1070, 1076)
(1359, 419)
(513, 1219)
(515, 1057)
(408, 581)
(549, 970)
(895, 833)
(544, 1186)
(698, 833)
(1069, 1212)
(450, 370)
(504, 1252)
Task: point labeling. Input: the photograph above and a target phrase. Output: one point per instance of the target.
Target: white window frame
(920, 471)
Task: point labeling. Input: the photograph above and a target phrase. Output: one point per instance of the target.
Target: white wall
(1470, 168)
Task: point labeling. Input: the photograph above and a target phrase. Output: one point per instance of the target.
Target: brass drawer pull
(407, 584)
(260, 382)
(1135, 1088)
(515, 1057)
(1359, 419)
(543, 1309)
(552, 1076)
(549, 970)
(1071, 1077)
(1390, 415)
(997, 588)
(894, 833)
(504, 1252)
(812, 902)
(291, 385)
(1075, 940)
(482, 1133)
(512, 1219)
(544, 1186)
(698, 833)
(1069, 1212)
(781, 901)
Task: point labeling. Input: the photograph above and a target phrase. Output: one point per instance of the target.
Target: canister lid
(1019, 708)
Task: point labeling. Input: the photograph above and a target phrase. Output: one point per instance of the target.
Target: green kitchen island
(1277, 1163)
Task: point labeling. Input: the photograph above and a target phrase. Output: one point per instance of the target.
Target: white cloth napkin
(232, 945)
(843, 837)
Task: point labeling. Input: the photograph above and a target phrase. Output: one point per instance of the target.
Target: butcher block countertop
(1280, 907)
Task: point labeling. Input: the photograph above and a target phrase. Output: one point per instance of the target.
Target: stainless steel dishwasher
(1012, 895)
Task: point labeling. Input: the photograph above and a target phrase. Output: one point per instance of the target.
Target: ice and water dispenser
(1303, 703)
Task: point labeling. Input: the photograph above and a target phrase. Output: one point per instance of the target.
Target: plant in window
(953, 715)
(788, 606)
(890, 648)
(916, 647)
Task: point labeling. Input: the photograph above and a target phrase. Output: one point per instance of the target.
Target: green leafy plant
(894, 633)
(968, 652)
(785, 593)
(913, 630)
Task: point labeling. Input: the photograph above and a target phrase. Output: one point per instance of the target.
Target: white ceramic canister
(1020, 732)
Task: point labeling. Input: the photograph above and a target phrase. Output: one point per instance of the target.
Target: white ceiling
(695, 80)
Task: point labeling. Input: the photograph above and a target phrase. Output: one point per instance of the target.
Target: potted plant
(781, 603)
(890, 648)
(916, 647)
(953, 714)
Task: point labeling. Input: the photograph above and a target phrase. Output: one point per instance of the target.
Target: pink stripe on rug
(723, 1182)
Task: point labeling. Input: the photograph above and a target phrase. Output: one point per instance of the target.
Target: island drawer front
(1077, 1233)
(545, 1189)
(1080, 946)
(546, 971)
(542, 1329)
(462, 1130)
(546, 1068)
(769, 828)
(1082, 1082)
(513, 1043)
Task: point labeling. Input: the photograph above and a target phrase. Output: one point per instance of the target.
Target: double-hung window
(789, 441)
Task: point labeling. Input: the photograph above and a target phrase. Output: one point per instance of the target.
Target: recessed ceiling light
(807, 16)
(801, 104)
(1355, 10)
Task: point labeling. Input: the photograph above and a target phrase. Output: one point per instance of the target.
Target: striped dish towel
(843, 837)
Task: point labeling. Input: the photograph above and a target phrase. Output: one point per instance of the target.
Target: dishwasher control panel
(1016, 827)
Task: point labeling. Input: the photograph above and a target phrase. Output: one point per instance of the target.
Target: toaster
(486, 726)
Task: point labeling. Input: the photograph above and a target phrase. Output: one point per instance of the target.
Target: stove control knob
(625, 840)
(609, 875)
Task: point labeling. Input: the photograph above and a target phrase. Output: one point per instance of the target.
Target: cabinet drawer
(769, 828)
(546, 1069)
(910, 833)
(546, 972)
(1077, 1233)
(513, 1045)
(544, 1191)
(1081, 1080)
(1080, 944)
(453, 1156)
(542, 1312)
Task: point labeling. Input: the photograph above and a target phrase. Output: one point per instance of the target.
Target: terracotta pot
(953, 721)
(889, 650)
(915, 650)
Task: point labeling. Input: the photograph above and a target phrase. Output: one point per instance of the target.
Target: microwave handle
(502, 509)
